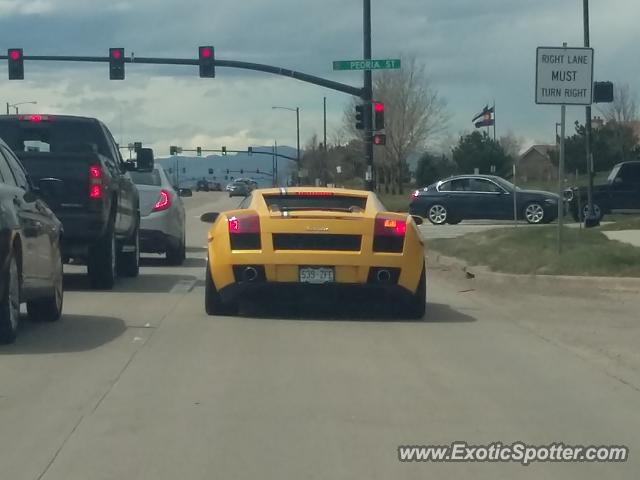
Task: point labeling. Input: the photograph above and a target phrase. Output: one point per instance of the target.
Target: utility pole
(367, 96)
(325, 124)
(589, 220)
(7, 108)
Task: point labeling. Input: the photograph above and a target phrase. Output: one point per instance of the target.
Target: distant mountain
(188, 170)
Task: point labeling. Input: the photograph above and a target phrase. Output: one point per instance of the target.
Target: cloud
(475, 53)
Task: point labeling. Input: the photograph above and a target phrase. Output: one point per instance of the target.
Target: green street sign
(386, 64)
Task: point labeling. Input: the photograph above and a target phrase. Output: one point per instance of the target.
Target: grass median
(535, 251)
(621, 222)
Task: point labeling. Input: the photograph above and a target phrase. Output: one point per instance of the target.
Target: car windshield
(146, 178)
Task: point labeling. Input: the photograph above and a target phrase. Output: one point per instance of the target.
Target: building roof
(543, 150)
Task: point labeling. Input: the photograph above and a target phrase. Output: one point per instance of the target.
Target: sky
(475, 53)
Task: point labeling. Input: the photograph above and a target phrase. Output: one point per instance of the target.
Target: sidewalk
(628, 236)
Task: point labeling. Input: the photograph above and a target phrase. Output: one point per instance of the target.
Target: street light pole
(15, 105)
(298, 141)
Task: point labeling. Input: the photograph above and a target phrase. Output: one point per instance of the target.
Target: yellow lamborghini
(313, 240)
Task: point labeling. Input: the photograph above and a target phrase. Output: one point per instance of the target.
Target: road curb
(626, 284)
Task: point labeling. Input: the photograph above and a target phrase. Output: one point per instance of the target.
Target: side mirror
(51, 187)
(129, 166)
(419, 221)
(209, 217)
(144, 160)
(185, 192)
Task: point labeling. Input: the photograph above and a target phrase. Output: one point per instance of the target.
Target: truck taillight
(95, 182)
(164, 202)
(388, 235)
(244, 232)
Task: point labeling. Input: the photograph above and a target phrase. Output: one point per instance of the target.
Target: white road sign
(564, 76)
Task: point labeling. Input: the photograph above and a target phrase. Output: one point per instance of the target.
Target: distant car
(620, 193)
(162, 216)
(215, 186)
(202, 186)
(324, 240)
(239, 189)
(30, 250)
(482, 197)
(251, 183)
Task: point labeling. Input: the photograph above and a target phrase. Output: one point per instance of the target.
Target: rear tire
(417, 305)
(213, 304)
(49, 309)
(437, 214)
(129, 262)
(101, 264)
(10, 303)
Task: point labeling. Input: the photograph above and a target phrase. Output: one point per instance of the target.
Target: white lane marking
(183, 286)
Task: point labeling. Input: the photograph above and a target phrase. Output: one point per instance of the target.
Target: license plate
(316, 274)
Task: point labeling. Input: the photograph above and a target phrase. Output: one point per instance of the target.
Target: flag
(487, 116)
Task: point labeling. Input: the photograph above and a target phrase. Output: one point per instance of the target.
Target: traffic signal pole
(367, 96)
(590, 219)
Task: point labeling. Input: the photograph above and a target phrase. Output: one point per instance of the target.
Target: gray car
(162, 217)
(238, 188)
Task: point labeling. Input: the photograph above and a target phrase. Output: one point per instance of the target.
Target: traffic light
(137, 146)
(211, 171)
(173, 150)
(16, 64)
(378, 116)
(199, 151)
(224, 151)
(227, 171)
(360, 117)
(379, 139)
(116, 64)
(207, 62)
(250, 150)
(242, 170)
(602, 92)
(257, 170)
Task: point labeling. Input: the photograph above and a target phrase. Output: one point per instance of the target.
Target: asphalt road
(139, 383)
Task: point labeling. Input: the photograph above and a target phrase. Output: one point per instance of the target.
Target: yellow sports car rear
(312, 240)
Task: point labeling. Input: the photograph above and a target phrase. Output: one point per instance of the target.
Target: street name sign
(564, 76)
(386, 64)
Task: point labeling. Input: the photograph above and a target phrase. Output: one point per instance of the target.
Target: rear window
(146, 178)
(315, 202)
(53, 136)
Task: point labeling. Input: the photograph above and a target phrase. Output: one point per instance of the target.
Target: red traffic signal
(116, 64)
(16, 64)
(378, 117)
(379, 139)
(207, 62)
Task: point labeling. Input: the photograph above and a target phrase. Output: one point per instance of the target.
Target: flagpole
(494, 120)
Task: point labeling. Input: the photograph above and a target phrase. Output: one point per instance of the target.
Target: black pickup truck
(75, 164)
(620, 194)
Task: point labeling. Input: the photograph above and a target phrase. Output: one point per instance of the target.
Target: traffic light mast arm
(204, 150)
(340, 87)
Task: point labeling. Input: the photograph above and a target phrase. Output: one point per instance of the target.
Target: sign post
(564, 76)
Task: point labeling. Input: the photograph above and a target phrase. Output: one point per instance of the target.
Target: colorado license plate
(316, 274)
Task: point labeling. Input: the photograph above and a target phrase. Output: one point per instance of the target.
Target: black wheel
(597, 211)
(10, 303)
(49, 309)
(176, 254)
(101, 264)
(417, 305)
(213, 304)
(129, 256)
(534, 213)
(437, 214)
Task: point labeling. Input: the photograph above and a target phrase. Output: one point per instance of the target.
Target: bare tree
(415, 115)
(624, 107)
(511, 144)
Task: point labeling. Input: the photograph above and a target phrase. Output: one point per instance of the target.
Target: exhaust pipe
(249, 274)
(384, 276)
